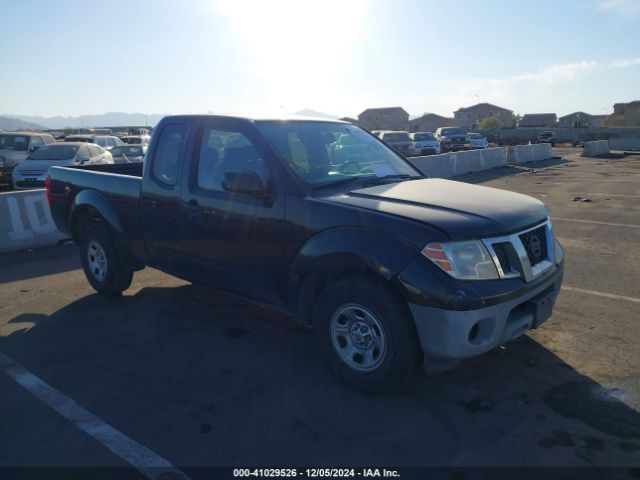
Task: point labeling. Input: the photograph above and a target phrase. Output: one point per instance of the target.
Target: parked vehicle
(105, 141)
(136, 139)
(32, 171)
(15, 147)
(398, 140)
(476, 141)
(424, 143)
(451, 139)
(386, 266)
(128, 153)
(546, 136)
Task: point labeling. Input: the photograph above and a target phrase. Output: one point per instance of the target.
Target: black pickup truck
(323, 220)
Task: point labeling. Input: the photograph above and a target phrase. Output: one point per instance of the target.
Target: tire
(100, 261)
(365, 334)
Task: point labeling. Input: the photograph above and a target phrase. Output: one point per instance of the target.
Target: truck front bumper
(448, 336)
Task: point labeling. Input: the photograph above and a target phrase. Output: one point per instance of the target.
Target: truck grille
(503, 256)
(535, 243)
(525, 255)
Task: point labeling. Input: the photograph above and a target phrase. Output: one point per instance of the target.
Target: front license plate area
(542, 306)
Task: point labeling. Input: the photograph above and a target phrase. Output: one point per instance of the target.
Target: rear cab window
(168, 151)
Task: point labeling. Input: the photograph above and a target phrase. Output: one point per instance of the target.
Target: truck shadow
(208, 380)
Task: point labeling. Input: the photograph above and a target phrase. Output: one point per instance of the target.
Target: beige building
(429, 122)
(390, 118)
(470, 117)
(625, 115)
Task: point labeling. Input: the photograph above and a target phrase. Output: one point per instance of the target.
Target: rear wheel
(365, 334)
(100, 261)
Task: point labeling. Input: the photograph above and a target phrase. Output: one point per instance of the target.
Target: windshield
(14, 142)
(54, 152)
(421, 137)
(78, 139)
(475, 136)
(396, 137)
(129, 151)
(451, 131)
(323, 152)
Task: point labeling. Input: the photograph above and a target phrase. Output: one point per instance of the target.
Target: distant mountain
(12, 124)
(109, 119)
(312, 113)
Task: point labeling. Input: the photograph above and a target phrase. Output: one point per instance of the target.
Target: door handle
(192, 207)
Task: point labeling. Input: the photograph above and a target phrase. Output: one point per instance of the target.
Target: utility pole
(477, 98)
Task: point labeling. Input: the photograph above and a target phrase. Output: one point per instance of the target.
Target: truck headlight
(468, 260)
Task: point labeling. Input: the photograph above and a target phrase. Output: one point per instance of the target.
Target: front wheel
(100, 261)
(365, 334)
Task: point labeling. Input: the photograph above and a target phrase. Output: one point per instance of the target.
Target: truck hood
(459, 209)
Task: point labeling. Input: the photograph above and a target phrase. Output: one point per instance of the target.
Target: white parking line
(147, 462)
(582, 193)
(603, 194)
(596, 223)
(601, 294)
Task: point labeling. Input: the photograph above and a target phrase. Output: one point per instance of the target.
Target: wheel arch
(92, 206)
(342, 252)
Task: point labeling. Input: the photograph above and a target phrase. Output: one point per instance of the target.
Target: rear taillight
(47, 186)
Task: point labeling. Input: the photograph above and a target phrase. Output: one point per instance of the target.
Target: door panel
(231, 239)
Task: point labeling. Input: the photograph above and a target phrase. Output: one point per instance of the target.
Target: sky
(335, 56)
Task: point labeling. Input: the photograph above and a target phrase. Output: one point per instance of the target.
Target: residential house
(538, 120)
(429, 122)
(390, 118)
(578, 120)
(471, 117)
(600, 120)
(624, 115)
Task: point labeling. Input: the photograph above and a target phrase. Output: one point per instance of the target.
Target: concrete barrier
(25, 221)
(437, 166)
(529, 153)
(624, 144)
(596, 149)
(451, 164)
(494, 157)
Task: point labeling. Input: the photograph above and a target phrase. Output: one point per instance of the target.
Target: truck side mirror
(243, 182)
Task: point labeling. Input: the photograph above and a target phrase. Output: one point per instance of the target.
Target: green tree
(489, 124)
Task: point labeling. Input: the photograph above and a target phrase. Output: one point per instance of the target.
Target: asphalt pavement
(200, 378)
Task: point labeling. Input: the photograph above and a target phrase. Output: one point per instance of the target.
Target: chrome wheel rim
(97, 260)
(358, 337)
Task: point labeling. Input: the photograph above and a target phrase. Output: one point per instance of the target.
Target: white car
(105, 141)
(424, 143)
(136, 139)
(476, 141)
(32, 172)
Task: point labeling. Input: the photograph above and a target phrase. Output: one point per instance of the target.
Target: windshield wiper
(402, 176)
(335, 183)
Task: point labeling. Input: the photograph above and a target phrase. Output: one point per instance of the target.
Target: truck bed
(118, 184)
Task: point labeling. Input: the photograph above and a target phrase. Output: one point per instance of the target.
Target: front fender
(345, 249)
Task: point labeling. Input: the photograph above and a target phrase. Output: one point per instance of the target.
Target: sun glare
(296, 49)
